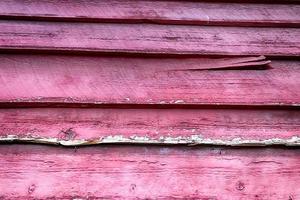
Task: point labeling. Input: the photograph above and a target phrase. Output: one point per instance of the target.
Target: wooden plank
(78, 126)
(127, 80)
(162, 12)
(148, 38)
(43, 172)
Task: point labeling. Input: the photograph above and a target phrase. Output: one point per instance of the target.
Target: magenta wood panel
(96, 125)
(148, 38)
(121, 80)
(165, 12)
(136, 172)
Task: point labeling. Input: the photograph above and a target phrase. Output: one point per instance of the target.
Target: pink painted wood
(165, 12)
(111, 172)
(89, 124)
(148, 38)
(121, 80)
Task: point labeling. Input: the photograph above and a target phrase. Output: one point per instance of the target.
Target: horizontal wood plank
(78, 126)
(123, 80)
(162, 12)
(148, 38)
(43, 172)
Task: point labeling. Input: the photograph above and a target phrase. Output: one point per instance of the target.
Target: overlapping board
(162, 12)
(136, 172)
(148, 38)
(84, 126)
(123, 80)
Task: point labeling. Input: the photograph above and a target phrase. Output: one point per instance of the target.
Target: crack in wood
(247, 63)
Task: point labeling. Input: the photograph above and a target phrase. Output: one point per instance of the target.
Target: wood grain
(162, 12)
(95, 125)
(124, 80)
(41, 172)
(148, 38)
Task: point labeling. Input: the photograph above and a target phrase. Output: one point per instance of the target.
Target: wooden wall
(149, 99)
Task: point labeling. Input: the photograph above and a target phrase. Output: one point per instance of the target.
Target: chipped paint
(90, 102)
(179, 101)
(192, 140)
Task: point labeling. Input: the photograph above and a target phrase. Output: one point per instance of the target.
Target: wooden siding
(128, 172)
(161, 12)
(83, 126)
(120, 80)
(193, 79)
(148, 38)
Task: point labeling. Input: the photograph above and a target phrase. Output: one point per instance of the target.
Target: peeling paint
(179, 101)
(192, 140)
(91, 102)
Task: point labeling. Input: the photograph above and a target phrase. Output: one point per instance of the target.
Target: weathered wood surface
(40, 172)
(121, 80)
(148, 38)
(78, 126)
(162, 12)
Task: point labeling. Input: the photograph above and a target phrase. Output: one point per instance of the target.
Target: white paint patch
(179, 101)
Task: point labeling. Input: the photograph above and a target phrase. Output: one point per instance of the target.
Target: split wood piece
(136, 172)
(77, 126)
(148, 39)
(162, 12)
(88, 80)
(255, 63)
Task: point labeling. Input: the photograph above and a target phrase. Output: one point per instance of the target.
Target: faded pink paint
(149, 172)
(116, 80)
(89, 124)
(131, 172)
(148, 38)
(171, 12)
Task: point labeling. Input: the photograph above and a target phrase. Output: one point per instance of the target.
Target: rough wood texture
(77, 126)
(40, 172)
(147, 38)
(120, 80)
(163, 12)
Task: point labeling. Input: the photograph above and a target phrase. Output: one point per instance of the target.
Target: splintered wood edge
(119, 139)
